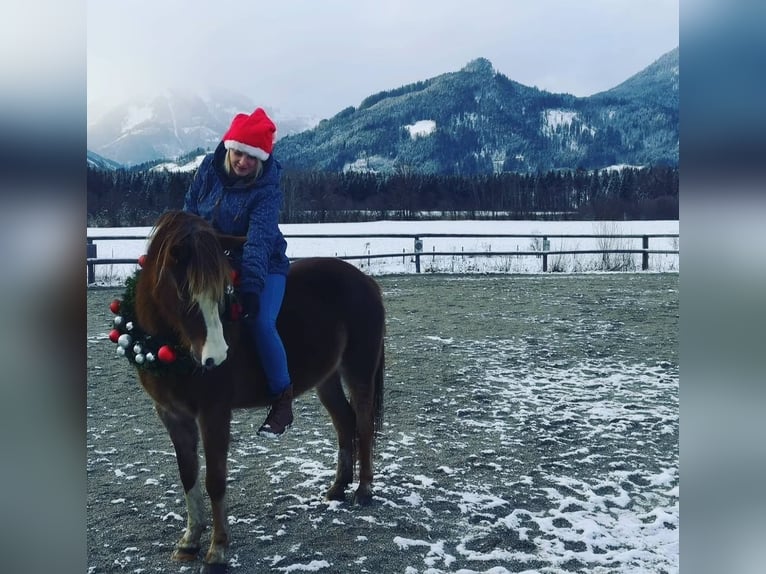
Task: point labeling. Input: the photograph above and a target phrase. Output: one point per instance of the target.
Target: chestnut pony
(332, 324)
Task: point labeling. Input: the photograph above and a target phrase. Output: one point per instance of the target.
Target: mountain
(473, 121)
(99, 162)
(657, 83)
(477, 121)
(168, 125)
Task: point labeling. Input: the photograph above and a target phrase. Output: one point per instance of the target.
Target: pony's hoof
(185, 554)
(363, 497)
(216, 556)
(337, 493)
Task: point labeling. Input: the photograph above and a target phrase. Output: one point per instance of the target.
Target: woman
(236, 189)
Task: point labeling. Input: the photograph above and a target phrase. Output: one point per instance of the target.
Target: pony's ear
(231, 242)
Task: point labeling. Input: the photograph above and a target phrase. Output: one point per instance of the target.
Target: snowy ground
(457, 263)
(531, 425)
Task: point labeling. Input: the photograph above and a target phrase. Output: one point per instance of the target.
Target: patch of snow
(313, 566)
(439, 339)
(360, 165)
(174, 167)
(424, 480)
(421, 128)
(553, 119)
(622, 166)
(369, 164)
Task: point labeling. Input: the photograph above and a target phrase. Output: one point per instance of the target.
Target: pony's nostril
(209, 363)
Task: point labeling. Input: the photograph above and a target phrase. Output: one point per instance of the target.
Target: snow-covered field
(111, 274)
(531, 425)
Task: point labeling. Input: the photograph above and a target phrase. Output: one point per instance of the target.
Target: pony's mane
(188, 243)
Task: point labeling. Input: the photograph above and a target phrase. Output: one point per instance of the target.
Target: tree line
(125, 197)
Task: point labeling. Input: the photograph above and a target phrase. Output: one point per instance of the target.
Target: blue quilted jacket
(235, 209)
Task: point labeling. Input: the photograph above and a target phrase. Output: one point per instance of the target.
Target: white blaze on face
(215, 346)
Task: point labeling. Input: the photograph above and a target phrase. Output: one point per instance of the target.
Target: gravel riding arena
(531, 425)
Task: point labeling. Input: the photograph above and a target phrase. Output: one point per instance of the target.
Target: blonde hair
(250, 178)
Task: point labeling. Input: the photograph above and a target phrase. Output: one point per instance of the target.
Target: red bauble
(234, 277)
(114, 306)
(114, 334)
(166, 354)
(141, 260)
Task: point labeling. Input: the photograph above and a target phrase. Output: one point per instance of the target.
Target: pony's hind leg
(363, 374)
(185, 437)
(331, 395)
(365, 434)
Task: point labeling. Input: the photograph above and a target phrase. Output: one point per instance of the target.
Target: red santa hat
(253, 134)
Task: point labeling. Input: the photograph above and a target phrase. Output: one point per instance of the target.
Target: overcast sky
(316, 57)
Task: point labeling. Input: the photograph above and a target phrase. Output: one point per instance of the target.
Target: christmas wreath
(141, 349)
(156, 353)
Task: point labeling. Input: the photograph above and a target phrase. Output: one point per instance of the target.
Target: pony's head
(187, 273)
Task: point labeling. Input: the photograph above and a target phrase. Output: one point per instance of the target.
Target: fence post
(645, 254)
(546, 246)
(91, 254)
(418, 250)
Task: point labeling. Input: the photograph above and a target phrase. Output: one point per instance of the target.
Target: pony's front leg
(188, 547)
(185, 437)
(215, 428)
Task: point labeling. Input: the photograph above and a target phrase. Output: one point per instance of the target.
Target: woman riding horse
(198, 366)
(236, 189)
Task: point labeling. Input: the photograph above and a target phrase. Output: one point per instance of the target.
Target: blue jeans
(264, 331)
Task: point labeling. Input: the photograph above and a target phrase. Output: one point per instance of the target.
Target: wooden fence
(544, 252)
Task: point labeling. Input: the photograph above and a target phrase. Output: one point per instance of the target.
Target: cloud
(315, 58)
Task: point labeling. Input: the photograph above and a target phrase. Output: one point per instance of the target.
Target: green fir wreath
(156, 354)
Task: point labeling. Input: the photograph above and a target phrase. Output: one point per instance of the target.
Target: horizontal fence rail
(417, 253)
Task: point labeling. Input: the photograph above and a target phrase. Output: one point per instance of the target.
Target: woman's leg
(267, 341)
(273, 357)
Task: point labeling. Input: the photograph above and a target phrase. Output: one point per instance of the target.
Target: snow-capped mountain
(472, 121)
(478, 121)
(173, 123)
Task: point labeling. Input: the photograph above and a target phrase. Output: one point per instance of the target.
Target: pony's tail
(378, 391)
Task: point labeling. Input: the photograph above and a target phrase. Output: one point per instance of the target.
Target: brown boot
(280, 415)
